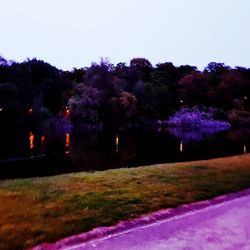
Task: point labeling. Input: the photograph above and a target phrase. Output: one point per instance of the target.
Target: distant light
(1, 109)
(181, 101)
(245, 149)
(245, 98)
(30, 110)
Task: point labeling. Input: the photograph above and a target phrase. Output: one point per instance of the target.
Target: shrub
(196, 118)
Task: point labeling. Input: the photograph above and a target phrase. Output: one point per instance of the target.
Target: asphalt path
(224, 225)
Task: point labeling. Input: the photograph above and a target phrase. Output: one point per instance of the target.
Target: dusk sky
(74, 33)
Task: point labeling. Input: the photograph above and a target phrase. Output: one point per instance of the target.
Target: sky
(75, 33)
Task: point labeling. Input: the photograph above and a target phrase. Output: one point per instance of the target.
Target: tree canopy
(117, 95)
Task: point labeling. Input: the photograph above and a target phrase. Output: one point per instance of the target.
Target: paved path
(222, 226)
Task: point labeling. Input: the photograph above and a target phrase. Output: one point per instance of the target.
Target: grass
(39, 210)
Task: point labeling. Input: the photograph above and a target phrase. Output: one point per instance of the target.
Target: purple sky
(74, 33)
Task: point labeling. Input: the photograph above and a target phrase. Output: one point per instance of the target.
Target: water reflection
(67, 144)
(67, 140)
(181, 147)
(245, 149)
(117, 143)
(192, 135)
(42, 139)
(31, 139)
(67, 112)
(102, 150)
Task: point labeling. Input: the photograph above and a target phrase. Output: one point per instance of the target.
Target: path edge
(143, 220)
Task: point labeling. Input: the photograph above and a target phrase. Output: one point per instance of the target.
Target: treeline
(117, 96)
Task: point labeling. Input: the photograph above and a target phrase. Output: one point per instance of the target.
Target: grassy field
(39, 210)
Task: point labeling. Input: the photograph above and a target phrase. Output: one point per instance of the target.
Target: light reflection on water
(31, 139)
(67, 140)
(193, 135)
(181, 146)
(117, 143)
(186, 137)
(42, 139)
(99, 150)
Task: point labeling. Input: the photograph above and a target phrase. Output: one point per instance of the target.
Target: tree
(122, 108)
(53, 93)
(215, 71)
(39, 70)
(232, 91)
(3, 61)
(142, 66)
(76, 75)
(148, 105)
(140, 63)
(100, 76)
(195, 89)
(10, 110)
(217, 68)
(84, 105)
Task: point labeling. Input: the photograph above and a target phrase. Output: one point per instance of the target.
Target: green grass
(39, 210)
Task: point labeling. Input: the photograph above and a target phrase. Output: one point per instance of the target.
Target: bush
(196, 118)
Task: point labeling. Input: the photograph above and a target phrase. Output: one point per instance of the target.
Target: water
(24, 153)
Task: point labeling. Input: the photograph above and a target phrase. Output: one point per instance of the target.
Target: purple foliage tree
(196, 118)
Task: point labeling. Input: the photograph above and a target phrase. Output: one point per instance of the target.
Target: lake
(24, 153)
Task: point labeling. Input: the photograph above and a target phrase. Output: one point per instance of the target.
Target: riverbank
(46, 209)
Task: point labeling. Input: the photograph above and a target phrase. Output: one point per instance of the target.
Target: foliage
(194, 89)
(84, 105)
(122, 107)
(196, 118)
(118, 95)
